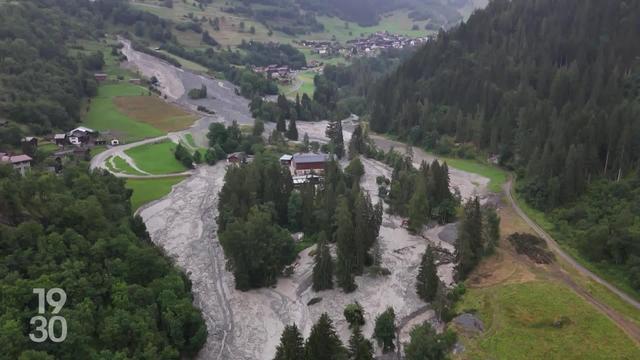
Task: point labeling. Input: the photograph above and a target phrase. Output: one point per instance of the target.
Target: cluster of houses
(74, 143)
(381, 41)
(282, 74)
(365, 46)
(82, 136)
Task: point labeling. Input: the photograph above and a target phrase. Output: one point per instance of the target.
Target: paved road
(508, 190)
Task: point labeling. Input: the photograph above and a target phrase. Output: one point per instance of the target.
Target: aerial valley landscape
(319, 179)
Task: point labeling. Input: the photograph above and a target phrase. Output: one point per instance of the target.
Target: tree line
(323, 342)
(75, 231)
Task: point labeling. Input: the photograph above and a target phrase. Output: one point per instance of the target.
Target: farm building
(80, 135)
(100, 77)
(286, 159)
(308, 163)
(21, 163)
(60, 139)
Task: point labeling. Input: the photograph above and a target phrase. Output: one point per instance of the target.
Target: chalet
(21, 163)
(80, 135)
(100, 77)
(237, 158)
(286, 160)
(308, 163)
(31, 140)
(60, 139)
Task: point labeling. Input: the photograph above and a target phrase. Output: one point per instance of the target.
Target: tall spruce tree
(292, 132)
(427, 282)
(323, 342)
(334, 133)
(385, 330)
(359, 347)
(418, 207)
(281, 125)
(323, 268)
(346, 246)
(291, 345)
(470, 244)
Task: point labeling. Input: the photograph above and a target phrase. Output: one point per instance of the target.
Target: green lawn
(103, 114)
(307, 85)
(147, 190)
(97, 150)
(519, 324)
(122, 166)
(496, 175)
(156, 158)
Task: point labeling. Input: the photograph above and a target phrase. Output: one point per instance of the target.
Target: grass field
(307, 85)
(519, 302)
(104, 115)
(122, 166)
(156, 158)
(519, 324)
(147, 190)
(155, 112)
(130, 114)
(97, 150)
(496, 175)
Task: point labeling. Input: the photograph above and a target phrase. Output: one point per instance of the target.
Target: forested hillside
(75, 232)
(42, 85)
(551, 87)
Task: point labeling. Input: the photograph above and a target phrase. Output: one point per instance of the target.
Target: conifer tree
(418, 208)
(359, 347)
(323, 268)
(323, 342)
(283, 105)
(346, 246)
(292, 132)
(334, 133)
(385, 330)
(281, 125)
(470, 242)
(427, 282)
(291, 345)
(362, 229)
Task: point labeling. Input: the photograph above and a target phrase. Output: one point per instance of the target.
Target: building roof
(305, 158)
(83, 129)
(29, 138)
(286, 157)
(14, 159)
(59, 136)
(20, 158)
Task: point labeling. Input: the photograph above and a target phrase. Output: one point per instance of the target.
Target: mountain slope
(543, 84)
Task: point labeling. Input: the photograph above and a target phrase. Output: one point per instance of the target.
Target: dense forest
(75, 232)
(42, 85)
(552, 88)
